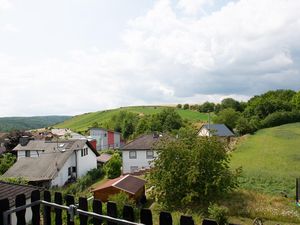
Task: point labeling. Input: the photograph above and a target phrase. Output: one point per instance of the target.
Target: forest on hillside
(26, 123)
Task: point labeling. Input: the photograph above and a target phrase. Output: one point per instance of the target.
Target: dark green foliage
(113, 167)
(166, 120)
(121, 199)
(14, 137)
(6, 161)
(26, 123)
(189, 170)
(279, 118)
(207, 107)
(186, 106)
(179, 106)
(228, 116)
(245, 126)
(296, 101)
(231, 103)
(13, 180)
(124, 122)
(219, 213)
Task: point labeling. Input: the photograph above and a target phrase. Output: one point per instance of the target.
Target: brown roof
(126, 183)
(104, 157)
(10, 191)
(144, 142)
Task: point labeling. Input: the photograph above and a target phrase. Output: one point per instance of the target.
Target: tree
(6, 161)
(296, 101)
(113, 167)
(231, 103)
(228, 116)
(186, 106)
(14, 137)
(190, 170)
(179, 106)
(207, 107)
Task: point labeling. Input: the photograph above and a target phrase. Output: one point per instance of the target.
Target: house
(219, 130)
(10, 191)
(103, 158)
(105, 138)
(133, 186)
(52, 163)
(138, 154)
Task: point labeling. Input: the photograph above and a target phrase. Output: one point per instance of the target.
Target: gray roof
(50, 161)
(144, 142)
(10, 191)
(104, 157)
(219, 130)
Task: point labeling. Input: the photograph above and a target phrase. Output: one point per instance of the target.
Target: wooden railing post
(165, 218)
(146, 217)
(97, 208)
(209, 222)
(4, 206)
(36, 218)
(83, 204)
(47, 209)
(69, 201)
(186, 220)
(58, 199)
(112, 211)
(128, 213)
(20, 201)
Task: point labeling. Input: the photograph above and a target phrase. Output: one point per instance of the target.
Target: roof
(218, 130)
(10, 191)
(144, 142)
(49, 163)
(104, 157)
(128, 183)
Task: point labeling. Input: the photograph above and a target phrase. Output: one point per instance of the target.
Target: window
(69, 171)
(134, 169)
(74, 169)
(84, 152)
(132, 154)
(27, 153)
(149, 154)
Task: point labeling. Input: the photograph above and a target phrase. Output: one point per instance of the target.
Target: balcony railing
(46, 212)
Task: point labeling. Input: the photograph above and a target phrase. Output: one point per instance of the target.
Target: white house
(10, 191)
(52, 163)
(138, 154)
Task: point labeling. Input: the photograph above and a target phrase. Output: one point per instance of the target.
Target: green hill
(84, 121)
(27, 123)
(270, 159)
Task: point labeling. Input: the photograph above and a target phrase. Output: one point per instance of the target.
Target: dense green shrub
(279, 118)
(219, 213)
(113, 167)
(6, 161)
(121, 199)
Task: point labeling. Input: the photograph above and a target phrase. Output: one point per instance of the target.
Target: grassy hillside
(270, 159)
(27, 123)
(84, 121)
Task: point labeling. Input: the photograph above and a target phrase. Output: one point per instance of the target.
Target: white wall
(203, 132)
(62, 175)
(86, 163)
(141, 160)
(28, 214)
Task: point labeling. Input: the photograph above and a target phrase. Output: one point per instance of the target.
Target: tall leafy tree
(191, 170)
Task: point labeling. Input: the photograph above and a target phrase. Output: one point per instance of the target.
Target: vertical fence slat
(58, 199)
(186, 220)
(4, 206)
(165, 218)
(47, 209)
(83, 204)
(209, 222)
(146, 217)
(298, 190)
(112, 211)
(97, 208)
(35, 196)
(70, 201)
(128, 213)
(20, 201)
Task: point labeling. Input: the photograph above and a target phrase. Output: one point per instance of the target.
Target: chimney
(24, 140)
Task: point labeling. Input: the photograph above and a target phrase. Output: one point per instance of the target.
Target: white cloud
(245, 48)
(5, 4)
(9, 28)
(193, 6)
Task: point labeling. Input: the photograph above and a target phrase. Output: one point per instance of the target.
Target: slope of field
(270, 159)
(27, 123)
(84, 121)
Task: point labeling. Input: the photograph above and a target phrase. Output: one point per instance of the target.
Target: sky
(67, 57)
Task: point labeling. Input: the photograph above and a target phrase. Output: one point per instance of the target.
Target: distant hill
(84, 121)
(27, 123)
(270, 159)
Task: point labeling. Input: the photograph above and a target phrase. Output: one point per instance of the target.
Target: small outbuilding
(131, 185)
(103, 158)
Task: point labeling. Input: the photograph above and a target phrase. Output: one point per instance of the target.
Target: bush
(219, 213)
(179, 106)
(6, 161)
(186, 106)
(121, 199)
(113, 167)
(279, 118)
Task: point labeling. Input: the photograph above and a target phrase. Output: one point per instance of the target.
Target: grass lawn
(270, 160)
(84, 121)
